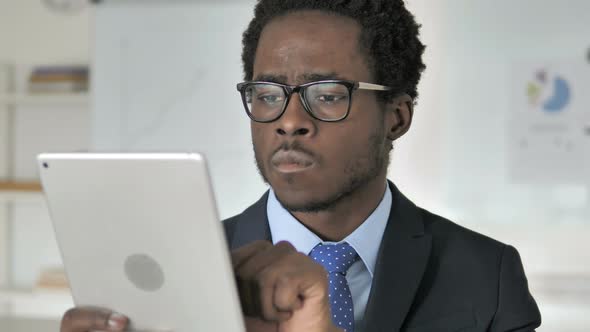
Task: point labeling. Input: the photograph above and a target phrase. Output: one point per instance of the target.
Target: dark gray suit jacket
(431, 274)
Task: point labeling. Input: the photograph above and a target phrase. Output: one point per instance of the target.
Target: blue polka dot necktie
(336, 259)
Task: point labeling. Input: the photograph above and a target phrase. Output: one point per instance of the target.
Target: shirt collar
(285, 227)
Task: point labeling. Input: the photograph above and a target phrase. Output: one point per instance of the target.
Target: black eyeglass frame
(290, 89)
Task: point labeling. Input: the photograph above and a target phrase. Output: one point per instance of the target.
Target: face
(312, 165)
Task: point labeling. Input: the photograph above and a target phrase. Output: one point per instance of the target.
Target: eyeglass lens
(326, 101)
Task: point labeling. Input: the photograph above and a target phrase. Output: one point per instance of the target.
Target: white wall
(455, 159)
(166, 75)
(32, 35)
(417, 165)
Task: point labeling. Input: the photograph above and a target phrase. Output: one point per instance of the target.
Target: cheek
(348, 144)
(257, 139)
(357, 143)
(362, 127)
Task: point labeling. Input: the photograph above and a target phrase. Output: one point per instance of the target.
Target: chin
(292, 193)
(310, 200)
(297, 202)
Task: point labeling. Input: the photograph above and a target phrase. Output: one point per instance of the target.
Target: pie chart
(560, 97)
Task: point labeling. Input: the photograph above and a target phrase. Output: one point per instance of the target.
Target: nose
(295, 121)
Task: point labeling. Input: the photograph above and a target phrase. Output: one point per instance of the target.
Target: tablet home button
(144, 272)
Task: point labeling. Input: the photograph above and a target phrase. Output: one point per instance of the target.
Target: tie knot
(334, 257)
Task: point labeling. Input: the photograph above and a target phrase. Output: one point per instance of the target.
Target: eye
(327, 94)
(330, 98)
(267, 94)
(264, 95)
(270, 99)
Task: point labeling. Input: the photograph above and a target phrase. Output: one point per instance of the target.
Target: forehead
(310, 43)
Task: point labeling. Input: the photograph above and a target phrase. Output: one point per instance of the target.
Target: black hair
(389, 37)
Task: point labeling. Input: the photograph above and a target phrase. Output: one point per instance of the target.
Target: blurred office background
(500, 140)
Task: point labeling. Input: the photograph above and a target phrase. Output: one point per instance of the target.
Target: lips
(290, 161)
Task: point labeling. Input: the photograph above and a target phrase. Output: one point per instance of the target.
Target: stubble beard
(360, 171)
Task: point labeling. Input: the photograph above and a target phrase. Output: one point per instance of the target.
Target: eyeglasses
(324, 100)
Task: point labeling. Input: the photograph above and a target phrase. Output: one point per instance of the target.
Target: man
(333, 246)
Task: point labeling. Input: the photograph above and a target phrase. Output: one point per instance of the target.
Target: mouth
(289, 162)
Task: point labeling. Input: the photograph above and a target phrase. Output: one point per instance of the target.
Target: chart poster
(549, 123)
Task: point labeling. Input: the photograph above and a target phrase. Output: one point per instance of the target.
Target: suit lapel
(252, 224)
(402, 259)
(401, 262)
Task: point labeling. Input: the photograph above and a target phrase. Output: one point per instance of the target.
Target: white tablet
(139, 234)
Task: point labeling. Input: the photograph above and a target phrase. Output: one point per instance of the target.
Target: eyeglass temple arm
(371, 86)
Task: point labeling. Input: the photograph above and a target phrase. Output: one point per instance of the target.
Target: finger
(242, 254)
(268, 310)
(286, 295)
(257, 325)
(306, 280)
(267, 267)
(252, 284)
(312, 281)
(263, 258)
(83, 319)
(247, 290)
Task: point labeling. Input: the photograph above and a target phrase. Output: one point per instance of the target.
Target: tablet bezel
(106, 207)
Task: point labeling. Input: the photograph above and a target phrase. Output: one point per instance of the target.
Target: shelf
(45, 99)
(20, 191)
(21, 186)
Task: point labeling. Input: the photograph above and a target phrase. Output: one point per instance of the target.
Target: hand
(281, 290)
(85, 319)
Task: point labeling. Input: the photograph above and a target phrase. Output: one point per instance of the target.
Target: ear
(401, 111)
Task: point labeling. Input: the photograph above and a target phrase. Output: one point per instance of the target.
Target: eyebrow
(321, 77)
(271, 78)
(305, 78)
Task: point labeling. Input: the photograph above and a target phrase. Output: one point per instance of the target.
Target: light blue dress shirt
(285, 227)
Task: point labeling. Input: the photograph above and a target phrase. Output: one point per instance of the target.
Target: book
(59, 79)
(52, 278)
